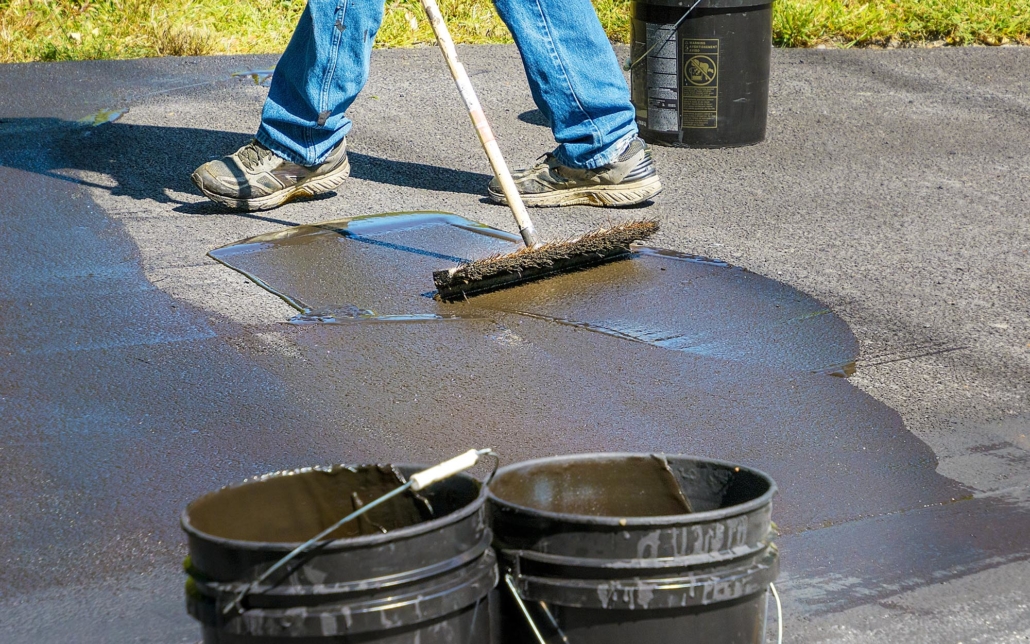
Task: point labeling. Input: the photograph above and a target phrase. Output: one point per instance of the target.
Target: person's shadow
(148, 162)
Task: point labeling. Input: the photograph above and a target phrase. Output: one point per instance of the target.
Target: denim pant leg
(318, 77)
(574, 76)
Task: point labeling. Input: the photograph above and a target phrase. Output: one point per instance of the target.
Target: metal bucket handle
(416, 482)
(630, 64)
(510, 583)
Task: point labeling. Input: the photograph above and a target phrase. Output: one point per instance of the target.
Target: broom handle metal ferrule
(486, 135)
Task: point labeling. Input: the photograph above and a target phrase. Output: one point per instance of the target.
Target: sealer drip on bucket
(587, 560)
(417, 566)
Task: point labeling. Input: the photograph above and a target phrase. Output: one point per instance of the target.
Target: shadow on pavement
(534, 117)
(153, 163)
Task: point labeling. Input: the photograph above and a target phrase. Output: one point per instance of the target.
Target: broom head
(527, 264)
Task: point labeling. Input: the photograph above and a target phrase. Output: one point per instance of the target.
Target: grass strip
(849, 23)
(46, 30)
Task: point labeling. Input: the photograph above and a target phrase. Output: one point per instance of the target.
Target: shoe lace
(554, 166)
(253, 154)
(544, 158)
(547, 160)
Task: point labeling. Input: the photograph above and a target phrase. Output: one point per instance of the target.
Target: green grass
(806, 23)
(32, 30)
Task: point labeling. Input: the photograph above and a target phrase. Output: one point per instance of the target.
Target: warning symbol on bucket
(700, 70)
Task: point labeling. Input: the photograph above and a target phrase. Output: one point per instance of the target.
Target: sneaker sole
(617, 196)
(310, 187)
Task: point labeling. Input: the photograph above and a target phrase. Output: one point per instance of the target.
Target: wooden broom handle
(486, 135)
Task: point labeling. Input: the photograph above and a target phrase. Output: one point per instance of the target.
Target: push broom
(536, 260)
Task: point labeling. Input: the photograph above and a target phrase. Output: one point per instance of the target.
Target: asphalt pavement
(883, 222)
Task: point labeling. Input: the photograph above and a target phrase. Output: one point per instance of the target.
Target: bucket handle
(510, 583)
(628, 66)
(779, 614)
(416, 482)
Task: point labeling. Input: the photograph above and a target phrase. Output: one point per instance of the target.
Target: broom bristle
(500, 271)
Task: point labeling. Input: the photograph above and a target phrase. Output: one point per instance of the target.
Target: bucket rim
(706, 4)
(647, 521)
(336, 544)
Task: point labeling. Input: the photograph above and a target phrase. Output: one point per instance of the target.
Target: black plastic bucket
(418, 568)
(706, 85)
(600, 550)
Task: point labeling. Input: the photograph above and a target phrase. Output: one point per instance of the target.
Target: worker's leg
(318, 77)
(574, 76)
(300, 148)
(578, 84)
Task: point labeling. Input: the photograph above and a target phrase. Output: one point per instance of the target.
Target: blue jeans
(573, 75)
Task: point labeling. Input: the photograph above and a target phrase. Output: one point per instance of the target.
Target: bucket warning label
(699, 91)
(662, 110)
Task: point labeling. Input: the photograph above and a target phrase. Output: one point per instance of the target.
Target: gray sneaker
(254, 178)
(631, 179)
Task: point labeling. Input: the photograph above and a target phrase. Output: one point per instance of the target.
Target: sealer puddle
(104, 116)
(262, 77)
(382, 266)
